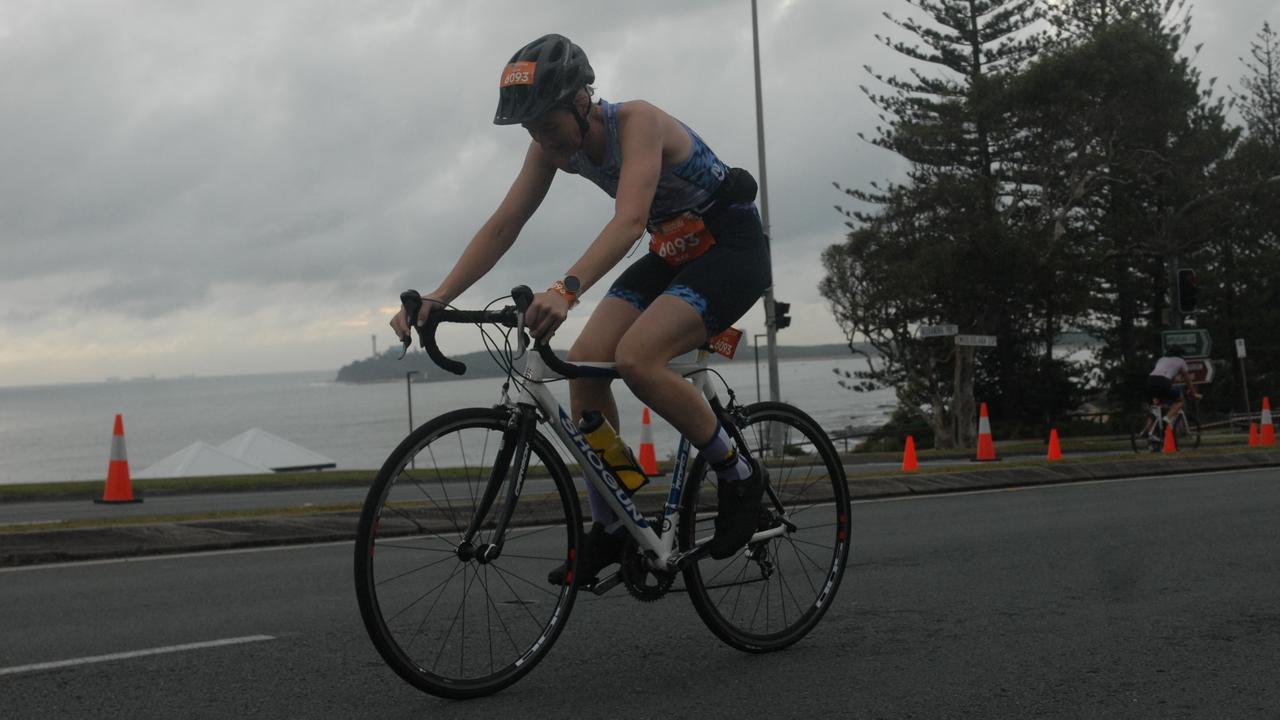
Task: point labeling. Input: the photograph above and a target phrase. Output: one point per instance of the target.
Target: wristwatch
(568, 288)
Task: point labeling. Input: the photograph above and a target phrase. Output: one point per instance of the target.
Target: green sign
(1195, 343)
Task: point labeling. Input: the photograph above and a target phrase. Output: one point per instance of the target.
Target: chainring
(644, 583)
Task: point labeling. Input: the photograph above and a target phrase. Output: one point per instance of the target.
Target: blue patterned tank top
(687, 186)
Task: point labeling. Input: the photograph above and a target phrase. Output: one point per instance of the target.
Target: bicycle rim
(444, 621)
(1188, 432)
(772, 593)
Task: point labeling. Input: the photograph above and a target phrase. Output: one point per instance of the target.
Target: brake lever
(411, 300)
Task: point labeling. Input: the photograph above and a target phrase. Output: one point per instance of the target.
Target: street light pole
(755, 343)
(408, 391)
(769, 320)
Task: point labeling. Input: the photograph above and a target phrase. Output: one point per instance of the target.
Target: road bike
(470, 512)
(1186, 429)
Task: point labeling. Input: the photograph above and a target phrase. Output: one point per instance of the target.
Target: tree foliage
(1056, 183)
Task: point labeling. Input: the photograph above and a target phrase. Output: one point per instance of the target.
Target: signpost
(1244, 381)
(1194, 343)
(928, 331)
(976, 340)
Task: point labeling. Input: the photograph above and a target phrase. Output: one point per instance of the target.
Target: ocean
(62, 433)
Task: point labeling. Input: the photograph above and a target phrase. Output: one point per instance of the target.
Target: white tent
(200, 459)
(262, 448)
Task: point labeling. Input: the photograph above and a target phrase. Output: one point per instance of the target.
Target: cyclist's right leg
(597, 342)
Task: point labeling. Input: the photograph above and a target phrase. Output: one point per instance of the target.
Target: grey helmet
(542, 75)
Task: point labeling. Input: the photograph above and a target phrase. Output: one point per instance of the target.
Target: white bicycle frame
(657, 547)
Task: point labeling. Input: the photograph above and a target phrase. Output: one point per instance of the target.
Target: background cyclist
(1171, 369)
(708, 264)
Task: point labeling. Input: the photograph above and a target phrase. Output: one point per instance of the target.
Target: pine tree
(1260, 101)
(946, 121)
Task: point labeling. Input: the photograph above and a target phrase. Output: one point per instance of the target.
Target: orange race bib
(726, 343)
(518, 73)
(681, 239)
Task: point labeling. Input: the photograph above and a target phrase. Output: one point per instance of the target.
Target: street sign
(1201, 370)
(976, 340)
(1240, 348)
(1194, 343)
(927, 331)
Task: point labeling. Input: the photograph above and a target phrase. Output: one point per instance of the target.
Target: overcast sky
(232, 187)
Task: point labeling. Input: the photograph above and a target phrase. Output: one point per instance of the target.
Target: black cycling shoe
(737, 512)
(599, 550)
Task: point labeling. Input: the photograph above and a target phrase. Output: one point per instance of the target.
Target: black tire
(774, 592)
(421, 601)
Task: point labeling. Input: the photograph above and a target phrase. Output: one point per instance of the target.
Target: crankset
(643, 582)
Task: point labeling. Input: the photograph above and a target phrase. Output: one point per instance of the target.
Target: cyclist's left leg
(705, 296)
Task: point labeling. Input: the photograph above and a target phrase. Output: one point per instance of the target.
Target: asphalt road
(1143, 598)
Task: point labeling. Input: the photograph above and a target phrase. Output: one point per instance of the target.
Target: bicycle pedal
(604, 585)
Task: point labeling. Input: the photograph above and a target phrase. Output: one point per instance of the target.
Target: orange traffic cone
(986, 446)
(1169, 445)
(1055, 450)
(1266, 430)
(119, 488)
(1253, 435)
(909, 456)
(648, 459)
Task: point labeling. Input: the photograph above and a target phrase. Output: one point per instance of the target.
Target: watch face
(572, 284)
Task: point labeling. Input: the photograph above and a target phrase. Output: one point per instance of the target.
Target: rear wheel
(1186, 431)
(773, 592)
(448, 620)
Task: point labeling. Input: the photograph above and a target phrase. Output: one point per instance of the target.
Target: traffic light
(780, 317)
(1188, 288)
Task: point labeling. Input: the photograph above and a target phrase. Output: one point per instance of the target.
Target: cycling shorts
(721, 284)
(1161, 388)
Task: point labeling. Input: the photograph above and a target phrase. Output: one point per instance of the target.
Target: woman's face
(557, 132)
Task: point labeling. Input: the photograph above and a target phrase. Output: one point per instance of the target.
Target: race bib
(681, 239)
(726, 343)
(518, 73)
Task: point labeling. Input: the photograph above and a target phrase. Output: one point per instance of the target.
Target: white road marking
(134, 654)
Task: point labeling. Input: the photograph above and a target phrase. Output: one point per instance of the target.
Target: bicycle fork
(510, 467)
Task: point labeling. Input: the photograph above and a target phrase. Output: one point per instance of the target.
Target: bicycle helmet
(542, 75)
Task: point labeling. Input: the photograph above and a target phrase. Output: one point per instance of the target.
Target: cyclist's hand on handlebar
(547, 311)
(401, 325)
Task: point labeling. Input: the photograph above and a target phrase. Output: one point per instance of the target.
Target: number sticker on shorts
(681, 239)
(726, 343)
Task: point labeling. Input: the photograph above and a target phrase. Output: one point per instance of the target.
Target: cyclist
(707, 265)
(1160, 383)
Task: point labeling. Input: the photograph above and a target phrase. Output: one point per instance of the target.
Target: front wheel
(774, 591)
(1145, 440)
(448, 619)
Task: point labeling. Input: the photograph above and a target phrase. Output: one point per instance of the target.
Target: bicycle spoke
(420, 568)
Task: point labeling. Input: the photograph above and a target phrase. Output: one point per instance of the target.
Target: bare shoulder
(641, 113)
